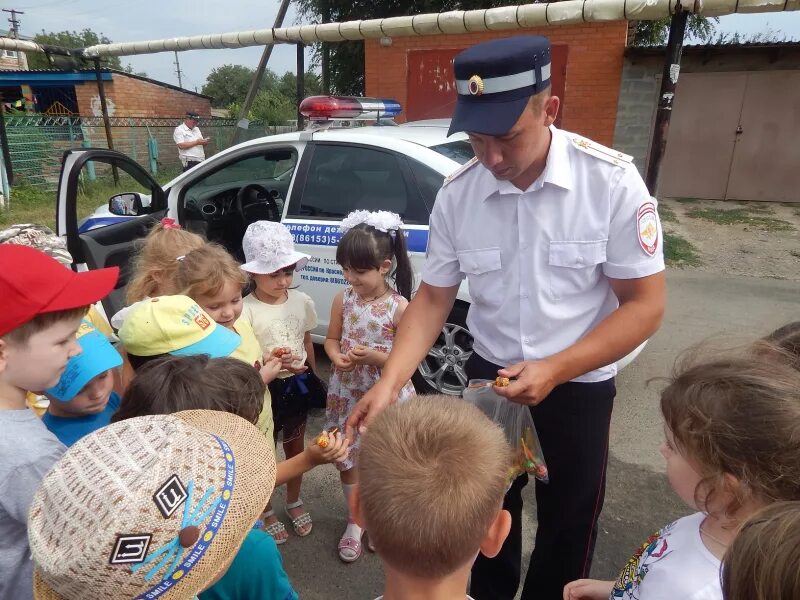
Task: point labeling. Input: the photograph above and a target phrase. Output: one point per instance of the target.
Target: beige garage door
(734, 136)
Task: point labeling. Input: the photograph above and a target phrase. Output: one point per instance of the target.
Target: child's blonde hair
(205, 271)
(738, 414)
(155, 262)
(432, 475)
(787, 338)
(762, 563)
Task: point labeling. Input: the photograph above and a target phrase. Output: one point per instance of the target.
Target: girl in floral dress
(375, 262)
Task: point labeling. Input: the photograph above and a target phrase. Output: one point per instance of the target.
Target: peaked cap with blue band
(494, 81)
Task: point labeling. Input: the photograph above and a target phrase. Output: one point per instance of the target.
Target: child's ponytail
(403, 274)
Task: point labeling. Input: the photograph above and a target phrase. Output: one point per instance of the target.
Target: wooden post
(4, 143)
(255, 84)
(106, 121)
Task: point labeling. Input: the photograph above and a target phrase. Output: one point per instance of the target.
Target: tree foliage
(72, 39)
(274, 104)
(228, 84)
(768, 36)
(655, 33)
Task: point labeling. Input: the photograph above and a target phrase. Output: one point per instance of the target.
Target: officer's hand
(371, 404)
(532, 381)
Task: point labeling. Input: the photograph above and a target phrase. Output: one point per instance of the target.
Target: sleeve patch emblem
(647, 228)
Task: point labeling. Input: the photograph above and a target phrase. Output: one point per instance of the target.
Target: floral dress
(369, 324)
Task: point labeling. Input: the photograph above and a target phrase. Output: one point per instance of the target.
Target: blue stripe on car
(314, 234)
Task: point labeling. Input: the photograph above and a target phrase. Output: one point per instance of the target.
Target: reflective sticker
(647, 228)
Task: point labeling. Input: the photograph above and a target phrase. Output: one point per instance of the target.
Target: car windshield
(459, 151)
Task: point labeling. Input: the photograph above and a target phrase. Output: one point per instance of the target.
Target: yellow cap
(175, 325)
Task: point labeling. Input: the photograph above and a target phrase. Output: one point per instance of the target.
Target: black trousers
(573, 424)
(190, 164)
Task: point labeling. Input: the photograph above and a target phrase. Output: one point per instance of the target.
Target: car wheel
(443, 369)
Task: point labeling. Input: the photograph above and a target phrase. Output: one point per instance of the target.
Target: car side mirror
(126, 205)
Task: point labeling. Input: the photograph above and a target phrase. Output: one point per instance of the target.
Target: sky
(126, 21)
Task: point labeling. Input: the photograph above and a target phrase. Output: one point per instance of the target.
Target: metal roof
(60, 77)
(716, 48)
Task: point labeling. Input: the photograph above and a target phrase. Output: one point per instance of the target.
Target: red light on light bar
(330, 107)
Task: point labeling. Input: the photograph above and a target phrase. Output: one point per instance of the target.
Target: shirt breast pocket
(575, 266)
(483, 268)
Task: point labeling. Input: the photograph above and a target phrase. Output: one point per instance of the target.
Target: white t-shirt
(672, 564)
(183, 134)
(281, 325)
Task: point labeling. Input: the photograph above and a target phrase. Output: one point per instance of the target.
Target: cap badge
(475, 85)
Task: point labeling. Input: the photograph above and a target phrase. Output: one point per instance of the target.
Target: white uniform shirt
(183, 134)
(538, 262)
(672, 564)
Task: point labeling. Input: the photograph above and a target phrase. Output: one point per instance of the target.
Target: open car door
(90, 179)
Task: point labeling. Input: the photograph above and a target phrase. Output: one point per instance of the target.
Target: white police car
(309, 181)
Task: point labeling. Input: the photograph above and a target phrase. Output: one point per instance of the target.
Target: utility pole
(15, 29)
(326, 54)
(669, 81)
(178, 70)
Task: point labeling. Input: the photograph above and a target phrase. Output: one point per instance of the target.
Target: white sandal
(275, 529)
(350, 548)
(299, 522)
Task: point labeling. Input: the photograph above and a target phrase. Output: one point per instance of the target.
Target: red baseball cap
(32, 283)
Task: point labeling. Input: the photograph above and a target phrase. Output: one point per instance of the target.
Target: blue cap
(494, 81)
(97, 356)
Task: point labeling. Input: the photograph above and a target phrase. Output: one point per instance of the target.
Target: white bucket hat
(269, 247)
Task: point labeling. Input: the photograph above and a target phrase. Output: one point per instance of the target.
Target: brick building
(587, 71)
(77, 93)
(12, 59)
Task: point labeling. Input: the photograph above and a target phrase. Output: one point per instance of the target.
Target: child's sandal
(275, 529)
(298, 523)
(350, 549)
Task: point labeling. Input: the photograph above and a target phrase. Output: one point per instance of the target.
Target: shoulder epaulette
(461, 170)
(600, 151)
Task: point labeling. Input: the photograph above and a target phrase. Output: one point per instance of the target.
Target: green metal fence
(37, 142)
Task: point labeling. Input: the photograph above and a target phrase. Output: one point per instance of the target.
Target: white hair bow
(382, 220)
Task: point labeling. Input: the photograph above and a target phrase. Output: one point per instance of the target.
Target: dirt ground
(756, 239)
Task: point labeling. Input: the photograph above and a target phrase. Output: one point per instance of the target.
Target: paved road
(638, 499)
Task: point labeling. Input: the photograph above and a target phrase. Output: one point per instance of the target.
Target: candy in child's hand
(322, 439)
(502, 381)
(280, 351)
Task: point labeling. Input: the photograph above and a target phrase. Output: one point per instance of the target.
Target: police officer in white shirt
(190, 141)
(561, 245)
